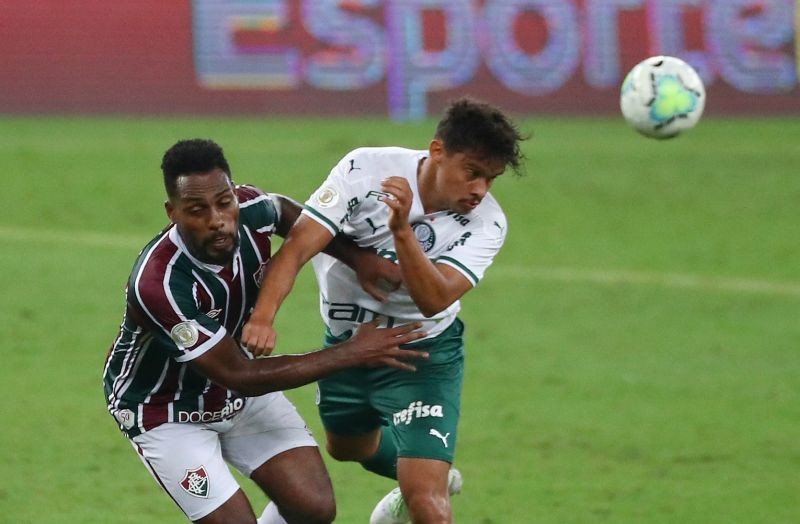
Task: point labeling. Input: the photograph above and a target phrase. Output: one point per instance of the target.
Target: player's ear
(436, 149)
(170, 209)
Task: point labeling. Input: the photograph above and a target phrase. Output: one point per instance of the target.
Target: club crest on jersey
(185, 334)
(327, 196)
(195, 482)
(258, 276)
(425, 235)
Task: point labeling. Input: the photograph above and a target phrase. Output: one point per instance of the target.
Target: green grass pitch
(632, 355)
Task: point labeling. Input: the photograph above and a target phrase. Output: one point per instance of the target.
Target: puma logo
(372, 225)
(438, 435)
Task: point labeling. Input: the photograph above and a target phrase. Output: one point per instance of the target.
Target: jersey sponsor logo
(327, 196)
(461, 219)
(195, 482)
(377, 194)
(185, 334)
(417, 410)
(460, 242)
(443, 438)
(355, 313)
(195, 417)
(125, 418)
(425, 235)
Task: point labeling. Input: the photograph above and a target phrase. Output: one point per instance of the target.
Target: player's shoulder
(369, 156)
(249, 193)
(161, 262)
(257, 208)
(490, 215)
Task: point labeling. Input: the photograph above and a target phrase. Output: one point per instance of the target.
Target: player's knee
(317, 508)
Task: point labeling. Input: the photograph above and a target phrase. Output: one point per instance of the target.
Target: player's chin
(220, 257)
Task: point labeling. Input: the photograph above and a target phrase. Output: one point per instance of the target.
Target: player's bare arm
(305, 239)
(371, 269)
(227, 366)
(433, 287)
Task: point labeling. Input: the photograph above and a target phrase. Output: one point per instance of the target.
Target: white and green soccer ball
(662, 96)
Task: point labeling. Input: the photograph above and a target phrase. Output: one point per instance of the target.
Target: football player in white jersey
(430, 212)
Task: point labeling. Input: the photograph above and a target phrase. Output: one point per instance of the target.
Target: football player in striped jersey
(180, 385)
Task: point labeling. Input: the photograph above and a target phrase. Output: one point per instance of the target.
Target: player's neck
(426, 184)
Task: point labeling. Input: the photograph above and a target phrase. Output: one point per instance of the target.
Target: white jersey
(348, 202)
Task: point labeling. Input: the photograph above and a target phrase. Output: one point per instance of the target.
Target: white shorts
(189, 460)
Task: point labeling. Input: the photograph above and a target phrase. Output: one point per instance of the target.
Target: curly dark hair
(472, 125)
(186, 157)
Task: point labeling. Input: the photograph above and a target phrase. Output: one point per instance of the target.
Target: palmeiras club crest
(425, 235)
(195, 482)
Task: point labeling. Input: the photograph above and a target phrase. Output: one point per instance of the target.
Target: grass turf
(631, 354)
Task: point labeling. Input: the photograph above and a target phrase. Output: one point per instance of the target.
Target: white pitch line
(672, 280)
(560, 274)
(81, 238)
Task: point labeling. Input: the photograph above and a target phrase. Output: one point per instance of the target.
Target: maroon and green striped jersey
(178, 308)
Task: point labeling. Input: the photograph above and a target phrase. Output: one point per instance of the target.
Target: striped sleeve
(257, 210)
(166, 297)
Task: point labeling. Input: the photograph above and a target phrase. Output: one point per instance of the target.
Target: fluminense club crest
(195, 482)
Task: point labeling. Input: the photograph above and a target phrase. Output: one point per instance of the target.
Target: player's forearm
(278, 281)
(282, 372)
(345, 250)
(427, 287)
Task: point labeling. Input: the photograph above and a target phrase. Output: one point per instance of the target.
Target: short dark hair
(472, 125)
(186, 157)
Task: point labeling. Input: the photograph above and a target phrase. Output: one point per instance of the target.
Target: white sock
(271, 515)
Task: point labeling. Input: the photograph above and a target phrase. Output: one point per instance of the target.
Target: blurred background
(632, 352)
(402, 58)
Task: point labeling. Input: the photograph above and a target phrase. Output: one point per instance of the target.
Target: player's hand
(258, 337)
(375, 347)
(399, 201)
(377, 275)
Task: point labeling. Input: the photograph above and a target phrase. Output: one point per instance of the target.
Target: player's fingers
(406, 328)
(411, 354)
(399, 364)
(374, 291)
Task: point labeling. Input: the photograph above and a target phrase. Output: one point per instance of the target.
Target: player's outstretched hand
(258, 337)
(375, 347)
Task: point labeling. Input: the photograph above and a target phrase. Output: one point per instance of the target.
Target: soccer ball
(662, 96)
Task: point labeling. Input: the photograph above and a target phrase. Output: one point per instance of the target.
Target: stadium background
(632, 353)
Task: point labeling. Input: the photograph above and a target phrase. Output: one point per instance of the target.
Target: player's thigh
(423, 409)
(344, 404)
(297, 481)
(268, 426)
(186, 460)
(271, 444)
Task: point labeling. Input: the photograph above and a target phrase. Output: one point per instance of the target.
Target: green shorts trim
(422, 408)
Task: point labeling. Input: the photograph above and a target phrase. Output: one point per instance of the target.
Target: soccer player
(429, 211)
(177, 380)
